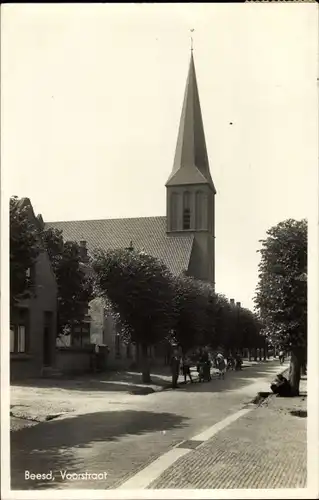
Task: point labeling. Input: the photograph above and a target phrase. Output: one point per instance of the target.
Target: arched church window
(186, 211)
(199, 210)
(205, 211)
(174, 211)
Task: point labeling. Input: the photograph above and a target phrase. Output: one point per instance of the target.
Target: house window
(21, 338)
(11, 339)
(18, 339)
(19, 331)
(81, 335)
(31, 275)
(186, 211)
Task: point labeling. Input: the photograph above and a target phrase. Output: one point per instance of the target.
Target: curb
(37, 419)
(262, 397)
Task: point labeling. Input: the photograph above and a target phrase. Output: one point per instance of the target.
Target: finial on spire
(192, 47)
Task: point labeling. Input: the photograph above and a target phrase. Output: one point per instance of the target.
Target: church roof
(145, 233)
(191, 165)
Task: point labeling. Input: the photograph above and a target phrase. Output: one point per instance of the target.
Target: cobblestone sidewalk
(267, 448)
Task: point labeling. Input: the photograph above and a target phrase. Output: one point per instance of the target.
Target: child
(186, 366)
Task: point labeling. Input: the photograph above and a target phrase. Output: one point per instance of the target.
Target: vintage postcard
(159, 250)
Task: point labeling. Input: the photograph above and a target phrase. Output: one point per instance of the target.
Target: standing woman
(221, 365)
(175, 367)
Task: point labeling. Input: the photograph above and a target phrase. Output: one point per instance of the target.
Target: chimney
(232, 302)
(130, 248)
(238, 304)
(40, 221)
(83, 251)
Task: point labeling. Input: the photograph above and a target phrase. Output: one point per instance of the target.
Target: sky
(91, 100)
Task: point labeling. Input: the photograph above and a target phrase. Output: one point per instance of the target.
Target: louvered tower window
(186, 211)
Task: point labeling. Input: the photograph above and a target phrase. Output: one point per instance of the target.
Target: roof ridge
(145, 232)
(106, 218)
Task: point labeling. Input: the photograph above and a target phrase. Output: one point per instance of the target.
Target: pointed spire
(192, 46)
(191, 164)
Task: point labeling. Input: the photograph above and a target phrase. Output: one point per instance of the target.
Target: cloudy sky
(91, 101)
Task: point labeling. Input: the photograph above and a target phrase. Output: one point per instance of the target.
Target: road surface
(103, 449)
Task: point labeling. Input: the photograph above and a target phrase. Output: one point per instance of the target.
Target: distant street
(130, 434)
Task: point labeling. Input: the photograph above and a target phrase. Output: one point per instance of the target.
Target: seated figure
(281, 386)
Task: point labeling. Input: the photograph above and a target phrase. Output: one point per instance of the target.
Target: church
(184, 238)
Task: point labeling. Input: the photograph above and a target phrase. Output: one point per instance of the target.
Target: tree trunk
(304, 363)
(137, 354)
(295, 371)
(255, 355)
(146, 376)
(249, 354)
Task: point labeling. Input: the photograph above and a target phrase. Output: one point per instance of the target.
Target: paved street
(125, 438)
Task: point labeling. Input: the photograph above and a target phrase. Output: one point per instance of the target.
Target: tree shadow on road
(82, 430)
(52, 445)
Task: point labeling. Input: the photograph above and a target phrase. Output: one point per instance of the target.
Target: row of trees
(150, 302)
(153, 305)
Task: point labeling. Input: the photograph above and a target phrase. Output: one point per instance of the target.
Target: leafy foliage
(150, 305)
(191, 312)
(75, 288)
(140, 290)
(282, 289)
(25, 247)
(250, 333)
(235, 327)
(224, 322)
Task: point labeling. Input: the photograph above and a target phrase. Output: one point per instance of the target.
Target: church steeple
(190, 189)
(191, 164)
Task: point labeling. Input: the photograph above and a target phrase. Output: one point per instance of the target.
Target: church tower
(190, 207)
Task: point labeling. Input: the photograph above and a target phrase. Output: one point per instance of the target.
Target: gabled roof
(25, 203)
(191, 165)
(145, 233)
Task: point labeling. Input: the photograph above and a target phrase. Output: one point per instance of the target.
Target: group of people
(234, 362)
(203, 360)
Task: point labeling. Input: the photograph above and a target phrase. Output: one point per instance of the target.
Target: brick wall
(69, 360)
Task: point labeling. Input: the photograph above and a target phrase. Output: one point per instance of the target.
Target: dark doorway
(47, 339)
